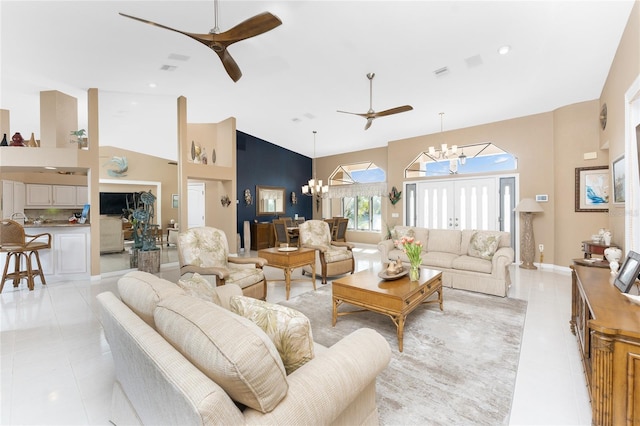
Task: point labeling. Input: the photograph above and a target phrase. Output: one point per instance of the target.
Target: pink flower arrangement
(412, 248)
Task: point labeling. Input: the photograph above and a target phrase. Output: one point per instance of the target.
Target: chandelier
(314, 187)
(446, 153)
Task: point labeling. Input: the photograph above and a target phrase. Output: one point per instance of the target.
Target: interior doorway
(195, 204)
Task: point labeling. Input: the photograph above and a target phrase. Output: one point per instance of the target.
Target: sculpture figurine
(394, 267)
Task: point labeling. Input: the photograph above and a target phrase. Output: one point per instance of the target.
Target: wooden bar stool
(21, 248)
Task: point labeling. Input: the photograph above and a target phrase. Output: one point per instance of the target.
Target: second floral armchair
(335, 258)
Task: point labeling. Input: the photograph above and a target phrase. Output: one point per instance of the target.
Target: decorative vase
(607, 238)
(17, 140)
(414, 272)
(613, 254)
(4, 141)
(32, 141)
(614, 267)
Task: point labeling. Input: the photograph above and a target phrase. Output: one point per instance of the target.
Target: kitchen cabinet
(38, 195)
(63, 195)
(41, 195)
(13, 199)
(82, 195)
(68, 257)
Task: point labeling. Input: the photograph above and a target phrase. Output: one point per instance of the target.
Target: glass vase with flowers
(413, 249)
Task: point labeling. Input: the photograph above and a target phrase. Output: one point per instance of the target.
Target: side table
(288, 260)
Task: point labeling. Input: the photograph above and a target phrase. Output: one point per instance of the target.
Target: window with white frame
(360, 188)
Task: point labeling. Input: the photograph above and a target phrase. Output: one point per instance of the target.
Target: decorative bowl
(389, 277)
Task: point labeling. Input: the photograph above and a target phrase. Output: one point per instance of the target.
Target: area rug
(458, 366)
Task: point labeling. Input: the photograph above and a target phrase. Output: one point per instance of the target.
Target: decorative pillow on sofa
(288, 329)
(483, 245)
(399, 232)
(141, 292)
(231, 350)
(200, 287)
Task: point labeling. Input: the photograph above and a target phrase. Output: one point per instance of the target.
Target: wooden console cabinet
(262, 236)
(607, 326)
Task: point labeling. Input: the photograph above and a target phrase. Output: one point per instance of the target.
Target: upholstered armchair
(205, 250)
(335, 258)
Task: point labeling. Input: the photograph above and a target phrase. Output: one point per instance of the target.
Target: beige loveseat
(182, 360)
(469, 260)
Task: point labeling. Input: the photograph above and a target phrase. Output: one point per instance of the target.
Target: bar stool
(21, 247)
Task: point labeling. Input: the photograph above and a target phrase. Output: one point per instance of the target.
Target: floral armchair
(205, 250)
(336, 258)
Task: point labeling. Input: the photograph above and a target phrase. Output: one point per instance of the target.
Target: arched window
(477, 158)
(360, 188)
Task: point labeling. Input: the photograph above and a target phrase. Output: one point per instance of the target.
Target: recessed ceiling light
(504, 49)
(49, 168)
(152, 85)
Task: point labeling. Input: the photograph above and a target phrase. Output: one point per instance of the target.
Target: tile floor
(56, 367)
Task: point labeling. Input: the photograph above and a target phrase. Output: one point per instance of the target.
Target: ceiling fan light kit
(371, 114)
(219, 42)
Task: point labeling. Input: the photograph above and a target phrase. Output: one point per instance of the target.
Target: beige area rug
(458, 366)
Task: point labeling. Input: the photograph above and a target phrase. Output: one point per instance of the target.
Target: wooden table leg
(400, 320)
(335, 311)
(313, 274)
(287, 281)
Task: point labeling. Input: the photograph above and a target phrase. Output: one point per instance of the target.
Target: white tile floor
(56, 366)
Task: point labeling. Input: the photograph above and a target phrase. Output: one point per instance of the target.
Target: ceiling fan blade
(251, 27)
(230, 65)
(206, 39)
(369, 122)
(391, 111)
(160, 25)
(365, 115)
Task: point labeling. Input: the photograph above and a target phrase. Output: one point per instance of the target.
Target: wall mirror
(270, 200)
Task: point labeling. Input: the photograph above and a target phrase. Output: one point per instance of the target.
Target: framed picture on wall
(618, 180)
(174, 201)
(592, 189)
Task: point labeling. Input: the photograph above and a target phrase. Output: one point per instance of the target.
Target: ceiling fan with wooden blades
(371, 114)
(219, 41)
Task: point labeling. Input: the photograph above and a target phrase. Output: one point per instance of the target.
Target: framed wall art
(174, 201)
(592, 189)
(618, 180)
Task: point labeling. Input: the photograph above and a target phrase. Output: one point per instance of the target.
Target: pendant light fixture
(314, 187)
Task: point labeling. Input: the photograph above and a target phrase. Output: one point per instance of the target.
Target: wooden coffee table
(396, 298)
(289, 260)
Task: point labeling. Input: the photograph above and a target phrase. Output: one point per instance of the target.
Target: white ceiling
(296, 76)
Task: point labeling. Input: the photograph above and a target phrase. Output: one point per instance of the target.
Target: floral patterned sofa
(469, 260)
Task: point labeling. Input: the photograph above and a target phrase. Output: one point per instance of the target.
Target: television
(113, 203)
(629, 272)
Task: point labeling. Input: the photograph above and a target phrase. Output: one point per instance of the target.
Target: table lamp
(527, 207)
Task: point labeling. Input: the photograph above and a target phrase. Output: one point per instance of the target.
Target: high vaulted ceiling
(296, 76)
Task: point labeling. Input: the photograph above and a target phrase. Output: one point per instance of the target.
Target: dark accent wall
(263, 163)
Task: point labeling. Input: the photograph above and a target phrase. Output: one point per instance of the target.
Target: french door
(484, 204)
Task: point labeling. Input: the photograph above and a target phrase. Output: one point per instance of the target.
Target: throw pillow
(483, 245)
(399, 232)
(231, 350)
(200, 287)
(288, 329)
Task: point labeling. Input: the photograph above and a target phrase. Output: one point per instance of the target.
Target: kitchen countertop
(55, 224)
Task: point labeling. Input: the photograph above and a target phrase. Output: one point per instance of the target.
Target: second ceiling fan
(371, 114)
(218, 42)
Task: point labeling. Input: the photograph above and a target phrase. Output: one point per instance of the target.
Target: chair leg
(39, 272)
(6, 268)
